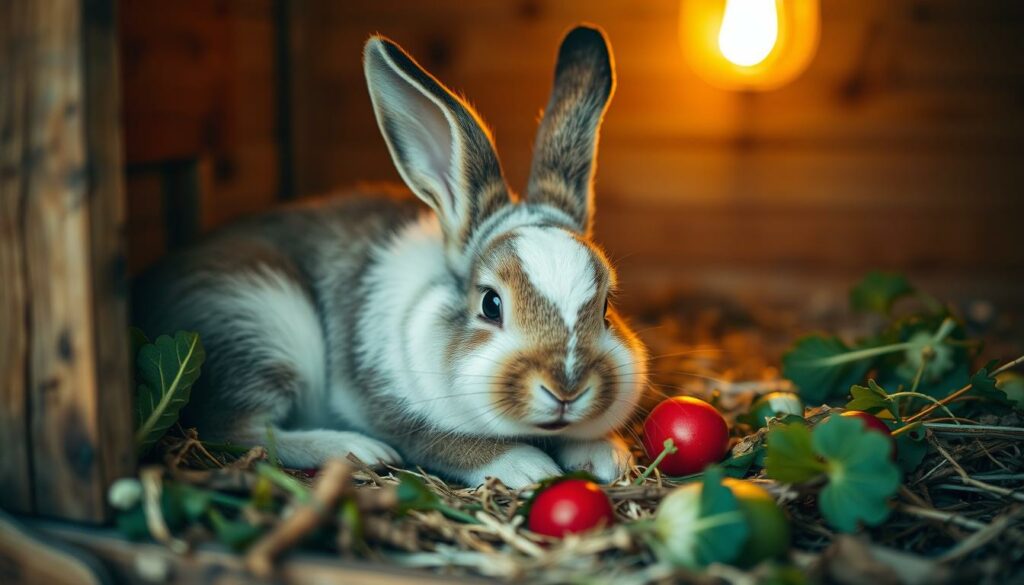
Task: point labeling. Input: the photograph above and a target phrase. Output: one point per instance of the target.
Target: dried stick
(967, 479)
(929, 409)
(983, 536)
(331, 484)
(941, 516)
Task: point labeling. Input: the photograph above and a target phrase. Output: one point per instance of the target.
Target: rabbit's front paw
(605, 459)
(517, 468)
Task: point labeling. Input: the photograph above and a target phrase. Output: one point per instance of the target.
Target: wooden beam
(65, 383)
(107, 213)
(15, 473)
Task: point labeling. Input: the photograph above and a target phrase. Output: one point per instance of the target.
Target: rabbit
(473, 337)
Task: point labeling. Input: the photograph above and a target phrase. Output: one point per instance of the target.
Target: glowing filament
(750, 29)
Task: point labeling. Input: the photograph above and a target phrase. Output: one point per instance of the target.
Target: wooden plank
(15, 470)
(210, 563)
(107, 214)
(74, 452)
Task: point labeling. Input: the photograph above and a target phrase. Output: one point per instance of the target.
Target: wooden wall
(901, 147)
(199, 84)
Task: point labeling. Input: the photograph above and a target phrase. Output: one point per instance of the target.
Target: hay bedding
(958, 516)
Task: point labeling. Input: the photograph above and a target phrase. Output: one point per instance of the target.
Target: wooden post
(66, 414)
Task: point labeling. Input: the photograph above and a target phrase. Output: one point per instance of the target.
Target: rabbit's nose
(563, 397)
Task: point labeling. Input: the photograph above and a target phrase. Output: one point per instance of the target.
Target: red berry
(874, 423)
(310, 472)
(700, 434)
(570, 506)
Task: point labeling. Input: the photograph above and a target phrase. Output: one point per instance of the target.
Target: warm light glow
(750, 29)
(749, 45)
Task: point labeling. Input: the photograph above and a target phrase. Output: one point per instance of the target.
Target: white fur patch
(606, 459)
(559, 267)
(517, 468)
(312, 448)
(283, 322)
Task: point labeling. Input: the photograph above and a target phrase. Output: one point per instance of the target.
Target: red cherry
(570, 506)
(874, 423)
(700, 434)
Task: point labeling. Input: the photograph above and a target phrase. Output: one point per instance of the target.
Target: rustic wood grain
(63, 267)
(15, 471)
(898, 148)
(107, 211)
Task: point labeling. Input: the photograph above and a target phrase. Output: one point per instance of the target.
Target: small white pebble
(154, 568)
(124, 493)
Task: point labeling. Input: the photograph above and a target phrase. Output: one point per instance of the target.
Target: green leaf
(807, 365)
(167, 369)
(738, 465)
(725, 528)
(878, 291)
(986, 387)
(236, 534)
(700, 524)
(413, 494)
(911, 448)
(872, 398)
(791, 457)
(861, 476)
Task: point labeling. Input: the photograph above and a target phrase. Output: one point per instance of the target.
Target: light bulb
(750, 29)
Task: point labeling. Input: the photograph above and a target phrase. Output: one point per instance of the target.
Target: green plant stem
(940, 334)
(283, 481)
(217, 497)
(454, 514)
(717, 520)
(669, 448)
(906, 429)
(926, 397)
(950, 398)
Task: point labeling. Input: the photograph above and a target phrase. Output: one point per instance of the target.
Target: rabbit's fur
(358, 324)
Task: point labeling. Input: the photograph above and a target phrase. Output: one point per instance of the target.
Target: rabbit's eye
(606, 323)
(490, 306)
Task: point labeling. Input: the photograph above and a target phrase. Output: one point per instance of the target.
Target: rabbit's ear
(563, 158)
(440, 146)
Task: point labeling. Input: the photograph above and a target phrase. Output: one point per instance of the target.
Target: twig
(941, 516)
(331, 484)
(928, 410)
(152, 490)
(507, 532)
(983, 536)
(968, 480)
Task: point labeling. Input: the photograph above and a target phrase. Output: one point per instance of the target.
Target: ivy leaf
(413, 494)
(877, 291)
(872, 398)
(700, 524)
(791, 457)
(167, 369)
(808, 365)
(861, 476)
(985, 386)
